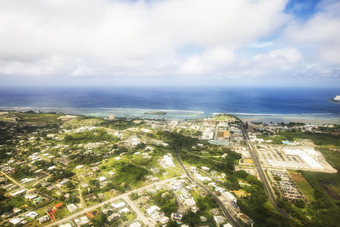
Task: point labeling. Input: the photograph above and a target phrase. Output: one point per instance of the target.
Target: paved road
(261, 173)
(88, 209)
(13, 180)
(221, 204)
(140, 215)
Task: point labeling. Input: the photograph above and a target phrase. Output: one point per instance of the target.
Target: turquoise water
(184, 102)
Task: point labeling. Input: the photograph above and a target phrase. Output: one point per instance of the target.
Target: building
(114, 216)
(31, 214)
(82, 220)
(223, 134)
(219, 220)
(111, 117)
(58, 206)
(176, 216)
(43, 219)
(136, 224)
(118, 205)
(16, 221)
(72, 207)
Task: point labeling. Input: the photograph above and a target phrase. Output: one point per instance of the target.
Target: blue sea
(305, 104)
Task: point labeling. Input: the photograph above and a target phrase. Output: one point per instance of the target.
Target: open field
(303, 185)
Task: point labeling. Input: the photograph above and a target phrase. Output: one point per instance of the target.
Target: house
(205, 168)
(164, 220)
(219, 220)
(114, 216)
(16, 210)
(101, 179)
(136, 224)
(7, 215)
(51, 168)
(84, 185)
(65, 225)
(176, 216)
(190, 202)
(90, 215)
(38, 200)
(31, 214)
(124, 210)
(105, 211)
(227, 225)
(82, 220)
(58, 206)
(64, 181)
(118, 205)
(72, 207)
(16, 221)
(43, 219)
(152, 209)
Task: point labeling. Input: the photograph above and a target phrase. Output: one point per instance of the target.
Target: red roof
(58, 205)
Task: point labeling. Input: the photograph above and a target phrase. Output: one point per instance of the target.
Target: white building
(168, 160)
(118, 205)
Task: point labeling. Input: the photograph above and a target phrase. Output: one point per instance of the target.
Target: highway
(222, 206)
(261, 172)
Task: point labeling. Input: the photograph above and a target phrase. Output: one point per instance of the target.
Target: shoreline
(311, 118)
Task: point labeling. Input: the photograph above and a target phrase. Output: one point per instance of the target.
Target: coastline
(311, 118)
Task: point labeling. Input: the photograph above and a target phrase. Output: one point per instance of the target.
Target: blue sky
(170, 42)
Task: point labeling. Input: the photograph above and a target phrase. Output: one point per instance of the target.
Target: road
(221, 204)
(140, 215)
(122, 196)
(261, 173)
(13, 180)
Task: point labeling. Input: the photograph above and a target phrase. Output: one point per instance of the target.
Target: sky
(170, 42)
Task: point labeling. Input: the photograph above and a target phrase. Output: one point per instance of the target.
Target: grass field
(332, 155)
(39, 118)
(303, 184)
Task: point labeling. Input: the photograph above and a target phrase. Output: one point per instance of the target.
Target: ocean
(263, 104)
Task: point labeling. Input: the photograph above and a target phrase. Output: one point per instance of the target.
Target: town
(69, 170)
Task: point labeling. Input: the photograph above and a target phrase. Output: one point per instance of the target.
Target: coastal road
(122, 196)
(230, 218)
(261, 172)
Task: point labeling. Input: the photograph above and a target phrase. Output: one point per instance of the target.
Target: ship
(336, 99)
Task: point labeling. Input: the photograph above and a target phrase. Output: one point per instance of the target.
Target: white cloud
(321, 33)
(124, 38)
(139, 39)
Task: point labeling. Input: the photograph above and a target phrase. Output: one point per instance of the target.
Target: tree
(300, 203)
(277, 178)
(242, 174)
(69, 185)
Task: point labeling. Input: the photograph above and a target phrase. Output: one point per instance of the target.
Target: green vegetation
(257, 206)
(90, 136)
(41, 118)
(317, 138)
(119, 124)
(277, 178)
(226, 165)
(22, 172)
(332, 155)
(205, 204)
(175, 139)
(166, 201)
(304, 186)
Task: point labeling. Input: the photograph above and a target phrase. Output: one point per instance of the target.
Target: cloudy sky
(170, 42)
